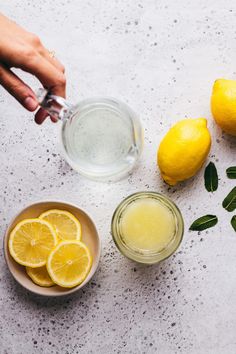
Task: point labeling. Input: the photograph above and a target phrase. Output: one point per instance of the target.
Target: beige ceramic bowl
(89, 237)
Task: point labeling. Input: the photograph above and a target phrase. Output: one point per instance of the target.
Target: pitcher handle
(56, 106)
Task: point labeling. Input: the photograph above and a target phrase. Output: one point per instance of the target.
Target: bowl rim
(7, 257)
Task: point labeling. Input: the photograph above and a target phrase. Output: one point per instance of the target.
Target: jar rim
(152, 256)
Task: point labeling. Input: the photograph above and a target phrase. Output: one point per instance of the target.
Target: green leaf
(229, 203)
(211, 177)
(204, 222)
(231, 172)
(233, 222)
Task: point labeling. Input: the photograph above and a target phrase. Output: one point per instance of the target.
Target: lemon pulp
(40, 276)
(31, 241)
(69, 263)
(65, 224)
(147, 225)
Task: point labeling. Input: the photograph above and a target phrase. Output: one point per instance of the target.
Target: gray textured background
(162, 58)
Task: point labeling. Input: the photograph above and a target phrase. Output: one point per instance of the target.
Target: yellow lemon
(40, 276)
(223, 105)
(69, 263)
(183, 150)
(31, 241)
(65, 224)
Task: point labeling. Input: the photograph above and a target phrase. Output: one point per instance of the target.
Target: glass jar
(101, 138)
(148, 254)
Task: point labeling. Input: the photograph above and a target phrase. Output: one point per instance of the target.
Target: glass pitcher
(102, 138)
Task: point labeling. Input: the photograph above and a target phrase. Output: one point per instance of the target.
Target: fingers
(45, 71)
(54, 61)
(41, 115)
(49, 75)
(37, 44)
(17, 88)
(23, 93)
(35, 59)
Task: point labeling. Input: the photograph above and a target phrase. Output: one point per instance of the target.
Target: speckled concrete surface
(162, 58)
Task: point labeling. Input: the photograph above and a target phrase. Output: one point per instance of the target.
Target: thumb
(17, 88)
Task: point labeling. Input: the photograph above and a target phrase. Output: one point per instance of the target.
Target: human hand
(24, 50)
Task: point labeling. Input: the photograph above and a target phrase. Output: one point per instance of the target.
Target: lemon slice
(31, 241)
(40, 276)
(69, 263)
(65, 224)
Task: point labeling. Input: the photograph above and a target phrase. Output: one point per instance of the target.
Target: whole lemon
(183, 150)
(223, 105)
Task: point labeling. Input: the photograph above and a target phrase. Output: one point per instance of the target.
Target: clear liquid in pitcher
(103, 139)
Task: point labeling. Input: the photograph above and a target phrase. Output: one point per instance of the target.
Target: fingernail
(30, 103)
(54, 120)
